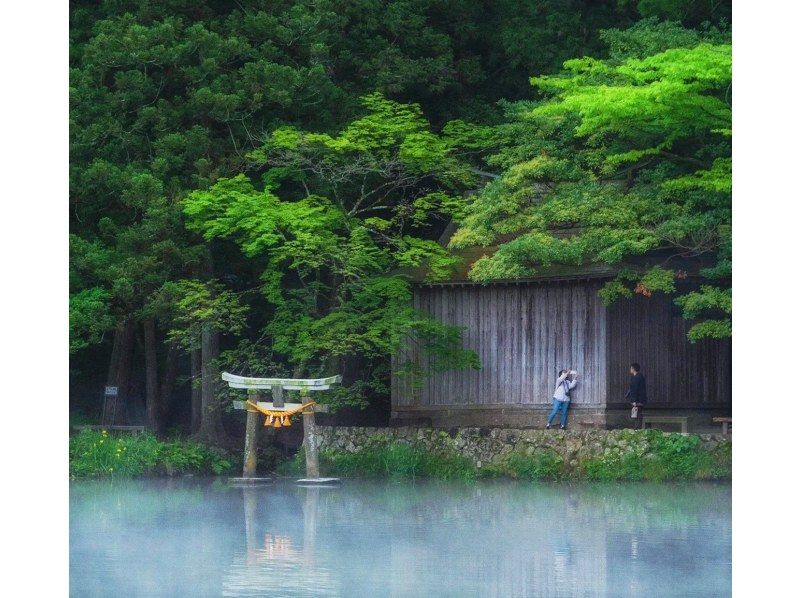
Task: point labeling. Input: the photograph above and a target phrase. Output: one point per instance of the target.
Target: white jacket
(563, 386)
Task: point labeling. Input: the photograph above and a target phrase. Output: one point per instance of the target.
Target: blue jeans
(563, 407)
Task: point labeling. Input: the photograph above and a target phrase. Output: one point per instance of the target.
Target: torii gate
(277, 414)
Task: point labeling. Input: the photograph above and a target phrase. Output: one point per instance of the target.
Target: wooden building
(525, 331)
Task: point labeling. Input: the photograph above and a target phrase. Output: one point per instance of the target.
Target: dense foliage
(627, 157)
(249, 180)
(96, 453)
(331, 249)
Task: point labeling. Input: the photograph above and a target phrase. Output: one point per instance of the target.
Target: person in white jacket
(567, 380)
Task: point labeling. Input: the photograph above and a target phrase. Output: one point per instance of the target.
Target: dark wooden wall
(652, 332)
(523, 334)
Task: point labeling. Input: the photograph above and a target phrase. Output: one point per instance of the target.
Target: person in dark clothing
(637, 393)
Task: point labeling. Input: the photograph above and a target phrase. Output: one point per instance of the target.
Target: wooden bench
(726, 422)
(135, 429)
(666, 419)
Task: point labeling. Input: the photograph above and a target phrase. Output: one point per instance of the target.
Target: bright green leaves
(710, 329)
(708, 298)
(386, 124)
(628, 158)
(651, 103)
(713, 306)
(661, 91)
(258, 220)
(413, 252)
(717, 179)
(337, 216)
(613, 290)
(656, 279)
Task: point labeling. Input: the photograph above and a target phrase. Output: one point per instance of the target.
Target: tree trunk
(197, 405)
(211, 429)
(119, 375)
(151, 375)
(110, 403)
(168, 378)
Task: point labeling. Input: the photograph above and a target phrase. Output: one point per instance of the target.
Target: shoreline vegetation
(97, 454)
(631, 455)
(625, 455)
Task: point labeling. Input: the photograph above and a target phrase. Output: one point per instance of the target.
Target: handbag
(634, 412)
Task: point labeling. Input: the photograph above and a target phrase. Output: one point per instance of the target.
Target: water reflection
(272, 564)
(373, 539)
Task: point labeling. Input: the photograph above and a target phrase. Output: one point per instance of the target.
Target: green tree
(337, 218)
(166, 97)
(626, 158)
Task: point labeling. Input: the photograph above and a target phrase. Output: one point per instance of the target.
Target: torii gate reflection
(274, 557)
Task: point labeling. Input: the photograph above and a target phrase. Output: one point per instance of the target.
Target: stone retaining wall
(489, 445)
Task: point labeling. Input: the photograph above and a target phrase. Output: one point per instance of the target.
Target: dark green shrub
(295, 466)
(180, 457)
(544, 464)
(658, 456)
(676, 457)
(447, 465)
(626, 466)
(388, 459)
(722, 461)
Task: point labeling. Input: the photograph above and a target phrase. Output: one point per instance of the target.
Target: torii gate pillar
(310, 442)
(251, 441)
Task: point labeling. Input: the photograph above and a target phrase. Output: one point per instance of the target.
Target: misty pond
(205, 538)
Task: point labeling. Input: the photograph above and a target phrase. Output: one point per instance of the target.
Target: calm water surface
(204, 538)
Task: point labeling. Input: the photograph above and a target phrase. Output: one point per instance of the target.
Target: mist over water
(205, 538)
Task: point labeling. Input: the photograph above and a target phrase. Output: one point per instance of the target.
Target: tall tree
(627, 157)
(336, 219)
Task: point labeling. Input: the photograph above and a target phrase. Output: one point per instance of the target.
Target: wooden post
(251, 440)
(196, 376)
(277, 397)
(310, 440)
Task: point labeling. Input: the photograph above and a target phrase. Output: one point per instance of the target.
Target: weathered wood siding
(652, 332)
(523, 334)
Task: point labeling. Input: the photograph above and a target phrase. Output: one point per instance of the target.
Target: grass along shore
(96, 453)
(631, 455)
(627, 455)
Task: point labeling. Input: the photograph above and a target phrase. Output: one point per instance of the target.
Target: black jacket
(638, 390)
